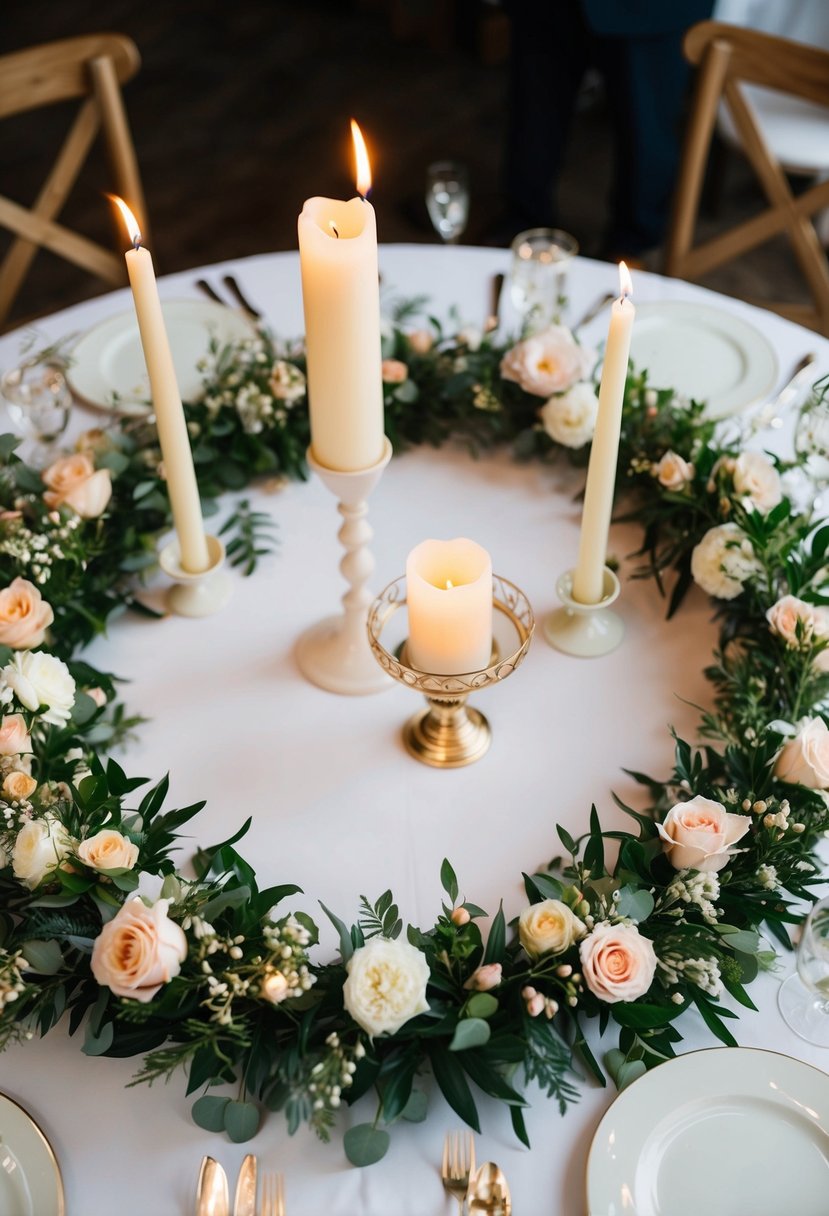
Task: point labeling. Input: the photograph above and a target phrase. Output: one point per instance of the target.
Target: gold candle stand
(448, 733)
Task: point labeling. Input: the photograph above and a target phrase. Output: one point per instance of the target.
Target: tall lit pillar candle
(341, 301)
(173, 438)
(449, 599)
(588, 579)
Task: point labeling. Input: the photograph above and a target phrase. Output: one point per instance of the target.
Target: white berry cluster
(704, 972)
(699, 890)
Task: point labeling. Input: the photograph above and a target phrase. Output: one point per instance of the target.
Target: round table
(337, 804)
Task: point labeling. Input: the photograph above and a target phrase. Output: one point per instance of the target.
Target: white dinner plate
(30, 1181)
(108, 371)
(730, 1131)
(704, 352)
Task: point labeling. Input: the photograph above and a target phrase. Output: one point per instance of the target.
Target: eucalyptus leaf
(631, 1070)
(209, 1112)
(470, 1032)
(365, 1144)
(98, 1044)
(416, 1108)
(241, 1121)
(44, 958)
(482, 1005)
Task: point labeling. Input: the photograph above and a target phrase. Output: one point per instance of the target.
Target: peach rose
(108, 850)
(138, 950)
(394, 371)
(74, 482)
(548, 362)
(804, 760)
(421, 341)
(18, 786)
(24, 615)
(673, 472)
(617, 963)
(699, 834)
(784, 617)
(757, 479)
(548, 928)
(486, 977)
(14, 738)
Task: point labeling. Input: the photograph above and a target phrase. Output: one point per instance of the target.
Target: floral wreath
(211, 972)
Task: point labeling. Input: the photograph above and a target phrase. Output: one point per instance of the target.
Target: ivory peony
(723, 561)
(37, 679)
(548, 362)
(700, 834)
(570, 418)
(24, 615)
(386, 985)
(617, 963)
(138, 950)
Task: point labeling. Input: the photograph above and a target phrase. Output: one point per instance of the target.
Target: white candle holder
(199, 594)
(585, 630)
(334, 654)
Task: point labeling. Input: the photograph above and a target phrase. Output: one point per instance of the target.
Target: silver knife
(213, 1197)
(245, 1202)
(771, 414)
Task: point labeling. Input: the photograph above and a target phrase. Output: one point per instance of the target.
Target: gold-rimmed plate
(30, 1180)
(725, 1132)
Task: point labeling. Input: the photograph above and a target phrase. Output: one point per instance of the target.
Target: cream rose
(74, 482)
(108, 850)
(17, 786)
(570, 418)
(386, 985)
(548, 362)
(804, 760)
(757, 480)
(24, 615)
(40, 846)
(784, 617)
(723, 561)
(37, 678)
(138, 950)
(699, 834)
(617, 963)
(394, 371)
(548, 928)
(286, 382)
(673, 472)
(14, 738)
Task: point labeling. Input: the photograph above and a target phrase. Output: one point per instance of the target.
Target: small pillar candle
(449, 596)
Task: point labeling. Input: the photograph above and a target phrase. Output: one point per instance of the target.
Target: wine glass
(37, 401)
(447, 198)
(538, 275)
(811, 438)
(803, 998)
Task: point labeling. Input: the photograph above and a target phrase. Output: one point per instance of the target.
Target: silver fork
(273, 1194)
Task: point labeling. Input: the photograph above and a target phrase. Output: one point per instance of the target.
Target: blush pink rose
(804, 760)
(138, 950)
(14, 738)
(700, 834)
(24, 615)
(73, 481)
(617, 963)
(548, 362)
(394, 371)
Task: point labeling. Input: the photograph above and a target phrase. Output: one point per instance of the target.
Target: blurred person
(636, 46)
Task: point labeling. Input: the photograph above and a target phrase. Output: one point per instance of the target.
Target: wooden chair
(730, 57)
(90, 69)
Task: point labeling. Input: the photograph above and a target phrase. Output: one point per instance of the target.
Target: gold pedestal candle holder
(448, 733)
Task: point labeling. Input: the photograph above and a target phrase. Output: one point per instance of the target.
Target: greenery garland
(209, 972)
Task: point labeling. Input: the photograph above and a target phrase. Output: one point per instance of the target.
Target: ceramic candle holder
(199, 594)
(585, 630)
(448, 733)
(334, 654)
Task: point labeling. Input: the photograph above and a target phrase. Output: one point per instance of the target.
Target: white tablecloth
(338, 806)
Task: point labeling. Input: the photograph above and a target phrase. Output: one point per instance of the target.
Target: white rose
(548, 928)
(617, 963)
(386, 985)
(570, 418)
(699, 834)
(40, 846)
(108, 850)
(39, 679)
(804, 760)
(756, 478)
(673, 472)
(138, 950)
(548, 362)
(723, 561)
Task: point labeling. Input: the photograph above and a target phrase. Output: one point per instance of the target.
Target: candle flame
(625, 281)
(362, 161)
(129, 219)
(449, 584)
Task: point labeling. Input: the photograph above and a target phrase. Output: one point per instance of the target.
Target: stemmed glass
(37, 400)
(538, 275)
(803, 998)
(447, 198)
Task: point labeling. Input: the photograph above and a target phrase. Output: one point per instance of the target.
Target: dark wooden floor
(240, 112)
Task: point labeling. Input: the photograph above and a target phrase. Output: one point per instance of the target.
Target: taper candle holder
(448, 733)
(334, 654)
(199, 594)
(585, 630)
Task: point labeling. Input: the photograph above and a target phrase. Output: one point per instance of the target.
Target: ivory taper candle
(588, 579)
